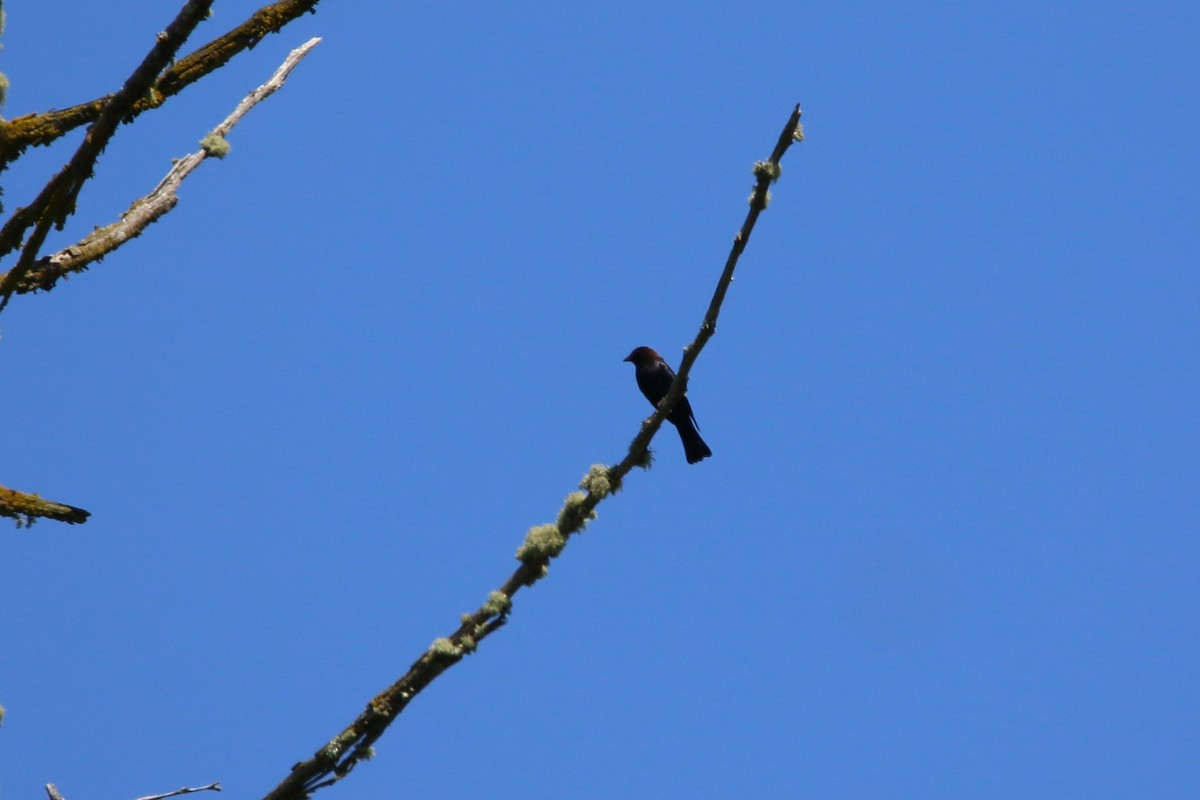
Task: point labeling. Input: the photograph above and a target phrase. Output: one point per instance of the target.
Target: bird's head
(643, 357)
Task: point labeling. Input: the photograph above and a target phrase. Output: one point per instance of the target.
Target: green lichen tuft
(498, 604)
(542, 543)
(216, 145)
(768, 170)
(597, 482)
(444, 648)
(574, 516)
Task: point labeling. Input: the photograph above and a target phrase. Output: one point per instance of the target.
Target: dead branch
(148, 209)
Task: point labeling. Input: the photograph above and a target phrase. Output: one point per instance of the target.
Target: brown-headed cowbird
(654, 376)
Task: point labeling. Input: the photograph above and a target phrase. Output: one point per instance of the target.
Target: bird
(654, 377)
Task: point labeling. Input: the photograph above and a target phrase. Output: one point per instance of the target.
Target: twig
(543, 543)
(212, 787)
(146, 210)
(57, 200)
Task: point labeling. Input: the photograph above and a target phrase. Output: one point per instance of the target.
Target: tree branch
(146, 210)
(25, 508)
(57, 200)
(212, 787)
(53, 793)
(44, 128)
(542, 543)
(766, 173)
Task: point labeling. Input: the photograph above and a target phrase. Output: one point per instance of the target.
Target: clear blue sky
(947, 544)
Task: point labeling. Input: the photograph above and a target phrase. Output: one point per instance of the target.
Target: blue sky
(946, 546)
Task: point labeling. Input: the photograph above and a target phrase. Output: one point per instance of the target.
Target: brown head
(643, 357)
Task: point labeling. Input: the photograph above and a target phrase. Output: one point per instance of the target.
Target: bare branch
(54, 794)
(146, 210)
(212, 787)
(57, 200)
(543, 543)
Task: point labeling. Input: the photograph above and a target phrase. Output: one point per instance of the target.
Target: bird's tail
(693, 446)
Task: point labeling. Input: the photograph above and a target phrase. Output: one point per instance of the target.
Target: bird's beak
(627, 358)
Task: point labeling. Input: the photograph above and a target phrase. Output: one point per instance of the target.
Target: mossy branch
(26, 508)
(146, 210)
(44, 128)
(542, 544)
(57, 200)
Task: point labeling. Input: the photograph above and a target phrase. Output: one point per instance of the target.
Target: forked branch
(45, 127)
(57, 200)
(46, 271)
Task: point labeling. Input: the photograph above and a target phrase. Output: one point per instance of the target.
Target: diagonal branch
(765, 173)
(146, 210)
(542, 544)
(57, 200)
(44, 128)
